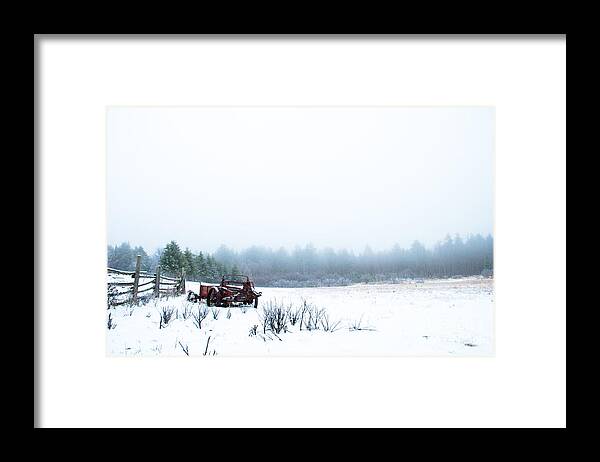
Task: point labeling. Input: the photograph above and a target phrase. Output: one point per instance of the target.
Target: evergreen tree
(145, 263)
(211, 269)
(200, 265)
(110, 256)
(172, 260)
(189, 264)
(122, 257)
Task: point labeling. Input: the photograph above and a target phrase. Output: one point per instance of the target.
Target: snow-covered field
(436, 317)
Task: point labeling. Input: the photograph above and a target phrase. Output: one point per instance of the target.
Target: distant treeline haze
(307, 266)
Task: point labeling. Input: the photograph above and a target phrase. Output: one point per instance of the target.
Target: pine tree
(200, 265)
(122, 257)
(189, 264)
(110, 254)
(172, 260)
(145, 263)
(211, 270)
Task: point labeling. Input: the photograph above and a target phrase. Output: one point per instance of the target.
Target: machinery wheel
(209, 296)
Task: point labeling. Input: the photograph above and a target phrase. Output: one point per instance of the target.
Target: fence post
(157, 282)
(182, 282)
(136, 277)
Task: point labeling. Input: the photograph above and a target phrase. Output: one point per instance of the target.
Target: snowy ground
(433, 318)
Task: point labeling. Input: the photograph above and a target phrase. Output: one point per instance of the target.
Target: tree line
(308, 266)
(172, 260)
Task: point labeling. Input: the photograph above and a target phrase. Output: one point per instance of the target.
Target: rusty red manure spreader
(234, 290)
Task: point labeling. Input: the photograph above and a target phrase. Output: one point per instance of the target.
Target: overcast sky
(337, 177)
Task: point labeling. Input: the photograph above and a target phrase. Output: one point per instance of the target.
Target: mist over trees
(308, 266)
(123, 257)
(172, 260)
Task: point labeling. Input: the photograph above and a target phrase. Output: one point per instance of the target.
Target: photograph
(300, 231)
(299, 223)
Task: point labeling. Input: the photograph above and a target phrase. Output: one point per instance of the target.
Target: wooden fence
(124, 291)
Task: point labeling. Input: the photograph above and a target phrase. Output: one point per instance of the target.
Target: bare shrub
(358, 325)
(187, 311)
(165, 316)
(110, 323)
(279, 320)
(112, 296)
(215, 312)
(303, 311)
(184, 348)
(327, 325)
(228, 314)
(294, 314)
(274, 317)
(207, 343)
(312, 317)
(253, 330)
(198, 318)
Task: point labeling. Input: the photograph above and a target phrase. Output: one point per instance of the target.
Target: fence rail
(158, 284)
(112, 270)
(143, 274)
